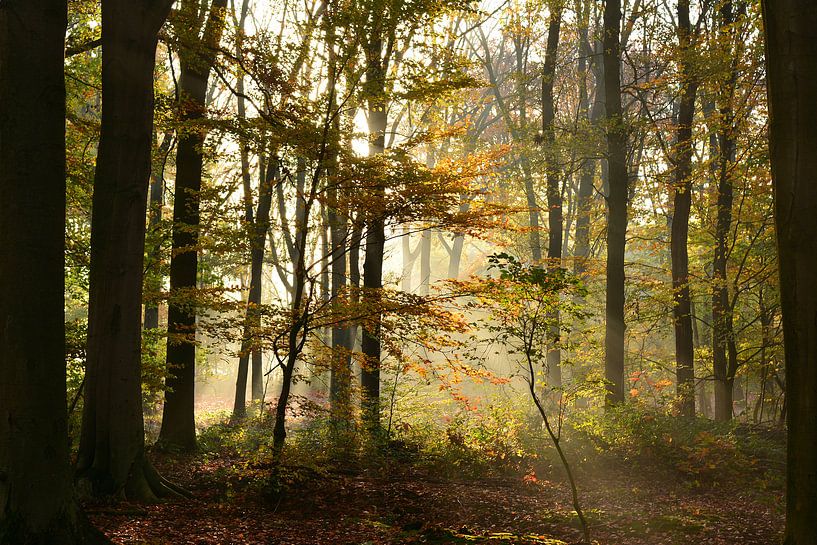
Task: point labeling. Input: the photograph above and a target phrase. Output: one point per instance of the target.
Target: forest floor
(403, 503)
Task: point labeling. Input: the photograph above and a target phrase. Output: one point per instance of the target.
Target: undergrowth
(500, 439)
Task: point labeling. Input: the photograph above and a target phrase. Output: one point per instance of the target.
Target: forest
(367, 272)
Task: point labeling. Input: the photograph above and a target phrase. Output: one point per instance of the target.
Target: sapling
(520, 302)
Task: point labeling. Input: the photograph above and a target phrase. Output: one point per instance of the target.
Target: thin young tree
(682, 184)
(153, 257)
(724, 357)
(587, 63)
(554, 192)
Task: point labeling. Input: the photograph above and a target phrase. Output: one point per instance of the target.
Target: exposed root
(144, 484)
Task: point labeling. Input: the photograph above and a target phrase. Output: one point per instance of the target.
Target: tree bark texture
(791, 62)
(36, 497)
(111, 457)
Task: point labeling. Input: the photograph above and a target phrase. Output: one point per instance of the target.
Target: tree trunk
(258, 225)
(298, 331)
(178, 419)
(354, 276)
(722, 334)
(456, 257)
(240, 398)
(340, 379)
(791, 50)
(617, 206)
(409, 258)
(36, 498)
(684, 348)
(375, 240)
(111, 456)
(554, 194)
(157, 186)
(341, 374)
(584, 204)
(425, 262)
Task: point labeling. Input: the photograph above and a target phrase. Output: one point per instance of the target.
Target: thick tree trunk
(791, 64)
(554, 194)
(178, 419)
(684, 348)
(36, 497)
(111, 453)
(617, 206)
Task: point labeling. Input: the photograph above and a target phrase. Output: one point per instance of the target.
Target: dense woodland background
(407, 271)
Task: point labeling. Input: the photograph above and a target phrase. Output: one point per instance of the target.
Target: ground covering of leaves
(402, 503)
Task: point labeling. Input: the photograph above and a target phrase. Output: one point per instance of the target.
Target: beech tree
(111, 458)
(36, 497)
(724, 358)
(616, 205)
(197, 54)
(258, 223)
(791, 63)
(554, 192)
(684, 353)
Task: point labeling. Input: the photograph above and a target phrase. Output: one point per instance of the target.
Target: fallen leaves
(409, 506)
